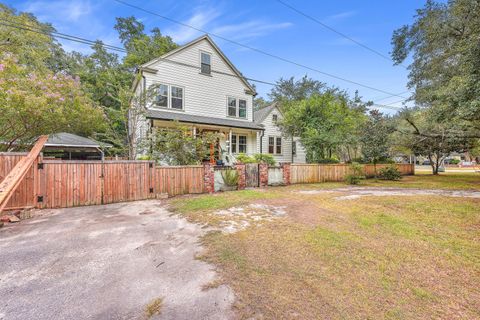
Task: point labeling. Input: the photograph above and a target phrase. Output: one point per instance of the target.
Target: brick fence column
(241, 169)
(209, 178)
(263, 174)
(286, 172)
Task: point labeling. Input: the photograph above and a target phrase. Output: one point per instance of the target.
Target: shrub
(243, 158)
(454, 161)
(230, 177)
(265, 158)
(390, 173)
(356, 173)
(328, 160)
(145, 157)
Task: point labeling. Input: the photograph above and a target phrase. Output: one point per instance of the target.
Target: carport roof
(184, 117)
(63, 139)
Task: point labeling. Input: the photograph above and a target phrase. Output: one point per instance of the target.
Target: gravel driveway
(107, 262)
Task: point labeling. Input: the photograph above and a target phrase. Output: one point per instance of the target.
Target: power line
(336, 31)
(114, 48)
(257, 50)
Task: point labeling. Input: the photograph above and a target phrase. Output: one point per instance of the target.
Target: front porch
(232, 140)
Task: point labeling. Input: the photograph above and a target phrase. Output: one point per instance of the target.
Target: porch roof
(189, 118)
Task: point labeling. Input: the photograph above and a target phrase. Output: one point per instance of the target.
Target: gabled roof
(63, 139)
(190, 118)
(260, 115)
(193, 42)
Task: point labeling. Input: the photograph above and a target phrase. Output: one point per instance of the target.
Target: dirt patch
(239, 218)
(357, 192)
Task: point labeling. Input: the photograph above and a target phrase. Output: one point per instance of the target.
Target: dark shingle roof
(185, 117)
(63, 139)
(261, 114)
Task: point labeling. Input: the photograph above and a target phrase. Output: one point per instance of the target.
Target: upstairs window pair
(169, 97)
(237, 107)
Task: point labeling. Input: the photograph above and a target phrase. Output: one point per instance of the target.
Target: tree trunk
(433, 164)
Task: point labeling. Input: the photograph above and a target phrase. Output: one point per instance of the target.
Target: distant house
(198, 86)
(68, 146)
(273, 141)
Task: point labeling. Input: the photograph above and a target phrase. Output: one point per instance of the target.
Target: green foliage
(35, 103)
(177, 145)
(325, 123)
(145, 157)
(35, 51)
(243, 158)
(328, 161)
(422, 134)
(141, 47)
(443, 42)
(230, 177)
(390, 173)
(264, 158)
(454, 161)
(256, 158)
(296, 90)
(356, 173)
(375, 137)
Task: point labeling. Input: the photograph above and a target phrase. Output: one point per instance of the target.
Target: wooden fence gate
(251, 175)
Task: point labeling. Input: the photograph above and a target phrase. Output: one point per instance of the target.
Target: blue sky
(266, 25)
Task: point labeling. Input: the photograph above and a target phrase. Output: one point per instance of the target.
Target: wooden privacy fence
(61, 184)
(313, 173)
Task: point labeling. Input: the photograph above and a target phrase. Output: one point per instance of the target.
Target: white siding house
(197, 86)
(282, 147)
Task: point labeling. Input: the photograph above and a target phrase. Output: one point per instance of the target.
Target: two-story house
(197, 86)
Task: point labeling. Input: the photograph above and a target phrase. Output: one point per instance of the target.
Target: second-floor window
(169, 96)
(205, 63)
(236, 107)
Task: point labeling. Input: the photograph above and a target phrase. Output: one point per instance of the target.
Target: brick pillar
(241, 169)
(209, 178)
(263, 174)
(286, 172)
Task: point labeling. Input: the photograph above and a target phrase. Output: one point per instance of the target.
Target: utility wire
(257, 50)
(336, 31)
(115, 48)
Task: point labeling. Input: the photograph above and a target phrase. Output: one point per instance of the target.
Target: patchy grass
(368, 258)
(153, 308)
(450, 181)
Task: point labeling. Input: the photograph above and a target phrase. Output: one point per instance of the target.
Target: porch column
(230, 142)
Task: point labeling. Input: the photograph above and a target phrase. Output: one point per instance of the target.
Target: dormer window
(205, 62)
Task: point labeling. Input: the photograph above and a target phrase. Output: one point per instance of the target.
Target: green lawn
(374, 257)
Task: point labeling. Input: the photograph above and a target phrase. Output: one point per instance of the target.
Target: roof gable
(260, 115)
(217, 50)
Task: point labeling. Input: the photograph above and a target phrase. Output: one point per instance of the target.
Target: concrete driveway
(107, 262)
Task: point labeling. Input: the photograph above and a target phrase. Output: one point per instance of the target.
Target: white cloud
(339, 16)
(59, 10)
(212, 20)
(200, 19)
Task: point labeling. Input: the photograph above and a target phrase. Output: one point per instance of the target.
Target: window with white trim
(278, 145)
(232, 107)
(275, 145)
(242, 144)
(271, 145)
(239, 143)
(205, 63)
(169, 96)
(177, 98)
(162, 96)
(236, 107)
